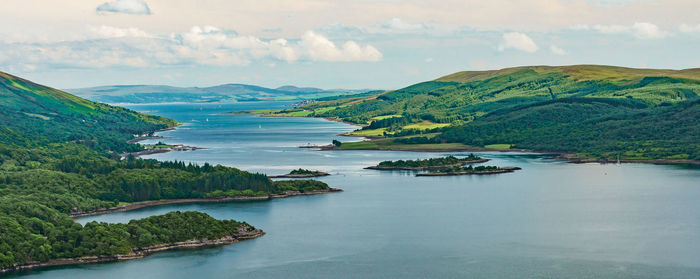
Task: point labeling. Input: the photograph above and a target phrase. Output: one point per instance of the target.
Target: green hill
(578, 72)
(52, 115)
(566, 109)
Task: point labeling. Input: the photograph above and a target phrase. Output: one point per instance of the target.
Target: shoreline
(162, 150)
(145, 204)
(563, 156)
(310, 175)
(282, 115)
(463, 163)
(501, 170)
(176, 147)
(139, 253)
(140, 139)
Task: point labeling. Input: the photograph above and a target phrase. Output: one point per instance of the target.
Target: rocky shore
(463, 163)
(500, 170)
(244, 232)
(306, 175)
(178, 147)
(578, 160)
(143, 204)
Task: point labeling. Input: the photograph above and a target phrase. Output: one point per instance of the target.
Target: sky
(354, 44)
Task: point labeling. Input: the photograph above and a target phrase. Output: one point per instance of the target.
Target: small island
(301, 173)
(448, 162)
(469, 170)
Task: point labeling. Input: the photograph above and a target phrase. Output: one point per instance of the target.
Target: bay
(551, 219)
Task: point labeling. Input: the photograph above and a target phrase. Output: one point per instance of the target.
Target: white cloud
(557, 50)
(685, 28)
(645, 30)
(320, 48)
(125, 6)
(108, 46)
(105, 31)
(393, 26)
(397, 25)
(519, 41)
(580, 27)
(641, 30)
(612, 29)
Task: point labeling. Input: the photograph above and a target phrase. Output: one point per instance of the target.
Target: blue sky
(332, 43)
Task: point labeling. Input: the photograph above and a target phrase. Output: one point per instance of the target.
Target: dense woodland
(431, 162)
(58, 155)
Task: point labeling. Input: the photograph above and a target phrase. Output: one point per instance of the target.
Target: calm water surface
(552, 219)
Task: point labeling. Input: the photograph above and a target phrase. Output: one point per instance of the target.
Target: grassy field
(298, 113)
(326, 109)
(425, 125)
(498, 146)
(368, 133)
(385, 116)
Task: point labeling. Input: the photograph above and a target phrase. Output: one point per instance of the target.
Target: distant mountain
(292, 88)
(221, 93)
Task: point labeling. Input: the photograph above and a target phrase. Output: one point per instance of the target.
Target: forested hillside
(51, 115)
(596, 111)
(56, 159)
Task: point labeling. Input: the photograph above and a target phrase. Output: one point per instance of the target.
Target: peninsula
(60, 157)
(195, 230)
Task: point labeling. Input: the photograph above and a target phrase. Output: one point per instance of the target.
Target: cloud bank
(108, 46)
(640, 30)
(685, 28)
(135, 7)
(320, 48)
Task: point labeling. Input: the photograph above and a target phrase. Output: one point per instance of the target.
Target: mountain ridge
(229, 92)
(579, 71)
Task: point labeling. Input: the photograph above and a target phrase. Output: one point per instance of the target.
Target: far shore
(138, 253)
(283, 115)
(144, 204)
(564, 156)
